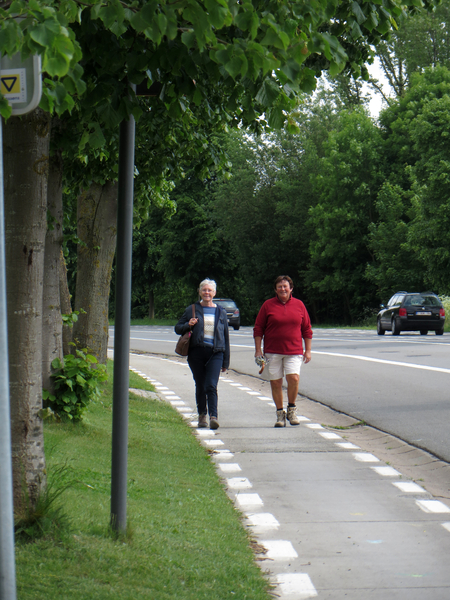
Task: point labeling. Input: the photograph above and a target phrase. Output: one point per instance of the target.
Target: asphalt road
(400, 385)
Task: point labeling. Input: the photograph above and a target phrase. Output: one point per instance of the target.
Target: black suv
(408, 311)
(233, 314)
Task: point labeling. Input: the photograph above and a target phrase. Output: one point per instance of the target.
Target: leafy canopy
(269, 49)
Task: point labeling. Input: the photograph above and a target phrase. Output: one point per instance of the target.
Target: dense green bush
(77, 382)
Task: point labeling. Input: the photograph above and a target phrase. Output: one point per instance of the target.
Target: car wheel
(423, 331)
(394, 328)
(236, 327)
(440, 331)
(380, 330)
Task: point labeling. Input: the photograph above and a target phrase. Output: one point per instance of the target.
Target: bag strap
(193, 311)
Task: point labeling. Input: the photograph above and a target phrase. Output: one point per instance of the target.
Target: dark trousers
(205, 366)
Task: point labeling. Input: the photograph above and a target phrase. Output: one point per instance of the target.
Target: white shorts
(283, 364)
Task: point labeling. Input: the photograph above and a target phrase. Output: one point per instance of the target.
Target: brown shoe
(202, 421)
(213, 423)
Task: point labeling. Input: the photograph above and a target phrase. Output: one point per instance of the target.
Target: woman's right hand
(192, 322)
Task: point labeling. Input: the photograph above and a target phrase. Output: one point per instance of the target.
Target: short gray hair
(210, 282)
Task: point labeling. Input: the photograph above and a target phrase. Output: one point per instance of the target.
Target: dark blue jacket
(221, 339)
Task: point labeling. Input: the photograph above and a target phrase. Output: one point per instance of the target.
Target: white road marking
(385, 362)
(177, 403)
(432, 506)
(347, 446)
(446, 526)
(328, 435)
(314, 426)
(253, 393)
(230, 467)
(279, 549)
(249, 500)
(264, 398)
(223, 454)
(263, 520)
(295, 584)
(386, 471)
(239, 483)
(365, 457)
(409, 487)
(205, 432)
(214, 443)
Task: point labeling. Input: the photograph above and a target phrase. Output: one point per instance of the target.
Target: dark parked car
(233, 314)
(408, 311)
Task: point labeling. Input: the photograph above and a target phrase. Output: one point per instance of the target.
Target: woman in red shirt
(283, 323)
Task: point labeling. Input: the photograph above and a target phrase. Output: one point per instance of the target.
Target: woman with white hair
(209, 350)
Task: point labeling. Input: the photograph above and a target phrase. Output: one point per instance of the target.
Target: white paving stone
(262, 521)
(386, 471)
(296, 585)
(433, 506)
(246, 500)
(347, 446)
(409, 487)
(328, 435)
(365, 457)
(239, 483)
(230, 468)
(220, 454)
(279, 549)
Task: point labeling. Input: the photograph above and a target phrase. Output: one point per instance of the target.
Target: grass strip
(185, 539)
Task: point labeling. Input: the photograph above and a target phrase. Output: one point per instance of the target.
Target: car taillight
(402, 312)
(442, 312)
(236, 312)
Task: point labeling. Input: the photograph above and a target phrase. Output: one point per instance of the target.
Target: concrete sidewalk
(337, 510)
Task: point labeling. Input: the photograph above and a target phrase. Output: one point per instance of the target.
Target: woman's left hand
(223, 370)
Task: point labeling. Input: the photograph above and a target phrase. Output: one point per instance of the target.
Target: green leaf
(188, 38)
(5, 108)
(268, 92)
(10, 36)
(275, 117)
(96, 137)
(218, 15)
(43, 35)
(233, 67)
(357, 11)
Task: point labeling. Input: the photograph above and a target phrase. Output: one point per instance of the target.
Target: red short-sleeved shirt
(282, 326)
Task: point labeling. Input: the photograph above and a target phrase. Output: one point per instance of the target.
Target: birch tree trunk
(25, 152)
(96, 228)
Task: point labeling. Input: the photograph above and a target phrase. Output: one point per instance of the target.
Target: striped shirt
(208, 331)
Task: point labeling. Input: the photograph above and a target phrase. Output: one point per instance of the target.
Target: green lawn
(185, 539)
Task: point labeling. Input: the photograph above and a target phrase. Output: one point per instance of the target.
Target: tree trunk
(151, 304)
(51, 306)
(66, 305)
(25, 151)
(96, 227)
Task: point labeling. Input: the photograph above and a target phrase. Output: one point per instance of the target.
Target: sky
(377, 103)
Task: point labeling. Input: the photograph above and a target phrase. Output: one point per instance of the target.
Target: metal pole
(7, 561)
(122, 327)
